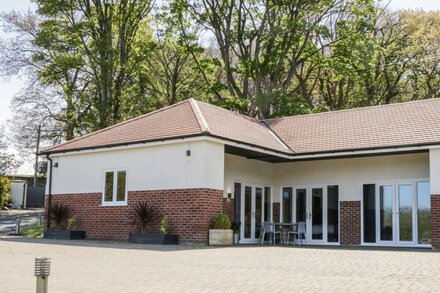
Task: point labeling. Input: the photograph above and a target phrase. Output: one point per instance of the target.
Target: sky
(10, 87)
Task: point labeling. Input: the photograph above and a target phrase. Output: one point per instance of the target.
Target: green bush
(72, 223)
(164, 226)
(34, 231)
(221, 221)
(5, 191)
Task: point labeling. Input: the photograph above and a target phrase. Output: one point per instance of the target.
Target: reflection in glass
(287, 205)
(258, 211)
(267, 204)
(369, 192)
(120, 191)
(247, 211)
(237, 201)
(405, 213)
(317, 201)
(386, 212)
(332, 213)
(424, 213)
(301, 205)
(108, 194)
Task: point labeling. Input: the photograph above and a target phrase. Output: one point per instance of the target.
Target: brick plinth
(189, 212)
(435, 221)
(350, 222)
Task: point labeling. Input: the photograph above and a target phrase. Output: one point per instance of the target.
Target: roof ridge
(204, 127)
(354, 109)
(277, 137)
(227, 110)
(115, 125)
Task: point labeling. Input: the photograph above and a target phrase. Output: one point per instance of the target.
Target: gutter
(49, 195)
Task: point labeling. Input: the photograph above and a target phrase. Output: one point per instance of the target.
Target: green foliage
(164, 226)
(72, 223)
(5, 190)
(142, 215)
(220, 221)
(34, 231)
(59, 214)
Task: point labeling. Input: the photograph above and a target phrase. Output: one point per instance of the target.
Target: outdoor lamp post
(42, 271)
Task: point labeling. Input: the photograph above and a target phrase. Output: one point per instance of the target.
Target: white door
(396, 214)
(256, 207)
(309, 206)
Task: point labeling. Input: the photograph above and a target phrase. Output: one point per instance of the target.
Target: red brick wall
(276, 212)
(228, 208)
(350, 222)
(435, 220)
(189, 212)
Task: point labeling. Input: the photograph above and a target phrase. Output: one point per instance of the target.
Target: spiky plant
(58, 214)
(143, 215)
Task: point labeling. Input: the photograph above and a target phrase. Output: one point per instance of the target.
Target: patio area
(96, 266)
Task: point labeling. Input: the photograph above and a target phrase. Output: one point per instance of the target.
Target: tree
(8, 162)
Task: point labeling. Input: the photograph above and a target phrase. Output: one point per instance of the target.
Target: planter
(153, 238)
(64, 234)
(220, 237)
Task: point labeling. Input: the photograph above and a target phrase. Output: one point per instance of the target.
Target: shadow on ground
(173, 248)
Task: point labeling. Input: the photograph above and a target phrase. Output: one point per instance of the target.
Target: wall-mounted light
(229, 195)
(55, 165)
(188, 153)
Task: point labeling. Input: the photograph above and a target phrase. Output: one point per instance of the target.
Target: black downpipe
(49, 195)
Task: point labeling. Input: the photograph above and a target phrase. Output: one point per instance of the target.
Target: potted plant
(220, 232)
(62, 226)
(236, 228)
(143, 216)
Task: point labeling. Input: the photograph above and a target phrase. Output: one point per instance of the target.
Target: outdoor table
(284, 229)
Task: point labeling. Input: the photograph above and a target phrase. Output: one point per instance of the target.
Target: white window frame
(114, 202)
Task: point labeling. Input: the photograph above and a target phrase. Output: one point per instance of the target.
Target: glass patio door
(256, 205)
(396, 214)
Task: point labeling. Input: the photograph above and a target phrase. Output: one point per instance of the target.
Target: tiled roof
(383, 126)
(396, 125)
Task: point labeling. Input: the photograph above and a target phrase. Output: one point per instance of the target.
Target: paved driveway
(89, 266)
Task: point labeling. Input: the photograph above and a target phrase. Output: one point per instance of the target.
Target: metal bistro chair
(268, 229)
(302, 232)
(293, 231)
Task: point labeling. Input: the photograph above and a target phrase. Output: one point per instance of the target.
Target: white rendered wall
(351, 173)
(240, 169)
(434, 164)
(148, 168)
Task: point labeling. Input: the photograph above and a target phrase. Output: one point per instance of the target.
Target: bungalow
(366, 176)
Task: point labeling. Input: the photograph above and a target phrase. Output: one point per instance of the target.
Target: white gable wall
(148, 168)
(434, 164)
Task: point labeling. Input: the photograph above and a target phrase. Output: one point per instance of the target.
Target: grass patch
(34, 231)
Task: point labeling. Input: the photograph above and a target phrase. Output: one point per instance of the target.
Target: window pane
(317, 205)
(301, 205)
(332, 213)
(258, 210)
(237, 201)
(247, 211)
(267, 204)
(369, 213)
(424, 212)
(287, 205)
(405, 212)
(108, 193)
(386, 212)
(120, 193)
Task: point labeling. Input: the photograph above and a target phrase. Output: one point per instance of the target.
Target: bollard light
(17, 226)
(42, 266)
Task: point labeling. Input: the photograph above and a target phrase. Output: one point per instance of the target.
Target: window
(287, 205)
(369, 213)
(115, 188)
(333, 213)
(424, 213)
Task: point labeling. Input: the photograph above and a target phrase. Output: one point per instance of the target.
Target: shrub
(5, 190)
(143, 215)
(58, 214)
(221, 221)
(71, 223)
(164, 226)
(34, 231)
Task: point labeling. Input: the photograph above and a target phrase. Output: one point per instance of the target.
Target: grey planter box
(64, 234)
(153, 238)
